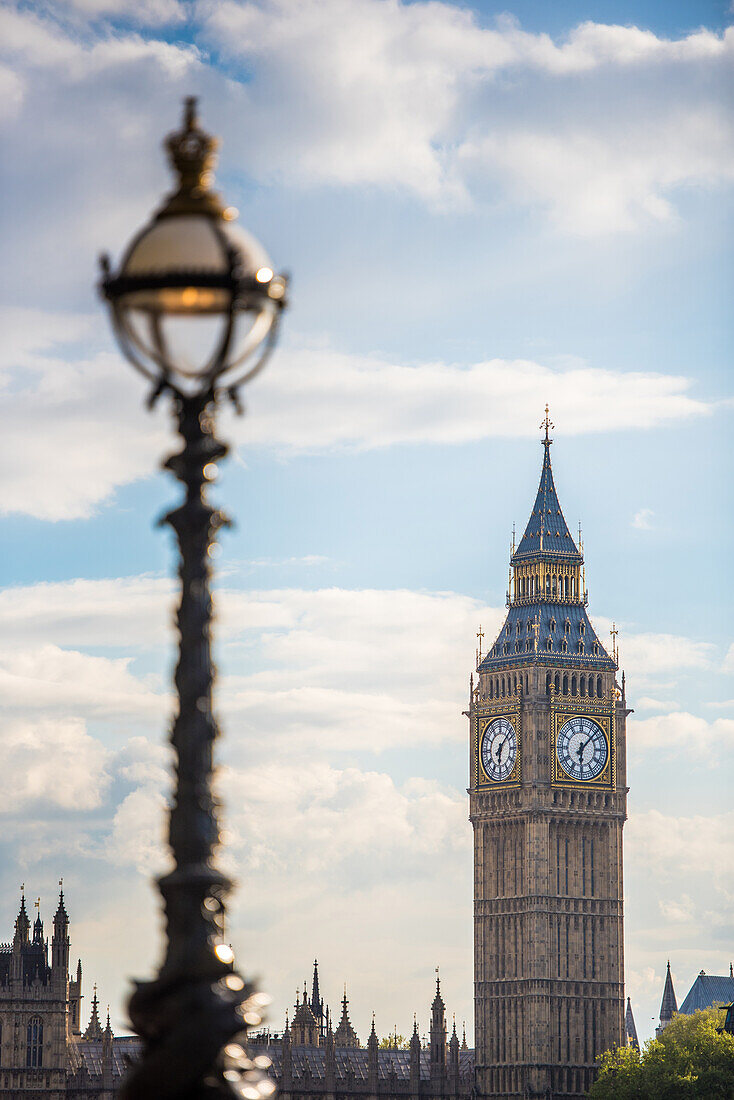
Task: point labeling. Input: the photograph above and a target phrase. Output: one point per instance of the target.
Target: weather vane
(547, 423)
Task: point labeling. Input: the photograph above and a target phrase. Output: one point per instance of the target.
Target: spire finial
(438, 981)
(480, 636)
(615, 652)
(547, 424)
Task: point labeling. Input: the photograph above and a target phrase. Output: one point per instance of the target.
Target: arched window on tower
(565, 683)
(582, 686)
(574, 688)
(557, 683)
(553, 625)
(34, 1043)
(547, 683)
(581, 645)
(564, 646)
(567, 626)
(598, 687)
(549, 643)
(491, 690)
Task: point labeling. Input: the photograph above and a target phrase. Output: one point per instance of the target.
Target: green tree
(691, 1060)
(394, 1042)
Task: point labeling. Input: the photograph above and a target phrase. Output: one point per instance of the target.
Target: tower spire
(669, 1004)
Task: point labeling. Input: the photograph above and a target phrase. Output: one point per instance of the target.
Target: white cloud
(91, 432)
(665, 847)
(728, 665)
(599, 128)
(75, 430)
(50, 678)
(681, 910)
(138, 833)
(317, 399)
(680, 730)
(642, 519)
(142, 12)
(340, 823)
(50, 762)
(122, 613)
(646, 703)
(653, 655)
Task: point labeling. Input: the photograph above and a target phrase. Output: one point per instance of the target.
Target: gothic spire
(629, 1027)
(668, 1005)
(22, 921)
(61, 916)
(315, 998)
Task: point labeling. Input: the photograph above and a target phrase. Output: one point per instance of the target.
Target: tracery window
(34, 1043)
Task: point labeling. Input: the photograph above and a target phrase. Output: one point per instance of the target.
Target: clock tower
(547, 803)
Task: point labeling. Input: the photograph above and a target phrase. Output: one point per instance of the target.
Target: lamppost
(195, 306)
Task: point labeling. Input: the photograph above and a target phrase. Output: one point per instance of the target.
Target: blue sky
(483, 210)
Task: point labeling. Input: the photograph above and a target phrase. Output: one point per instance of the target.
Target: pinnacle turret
(94, 1027)
(22, 924)
(345, 1035)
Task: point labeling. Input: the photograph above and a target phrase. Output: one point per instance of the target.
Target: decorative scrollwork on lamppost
(195, 307)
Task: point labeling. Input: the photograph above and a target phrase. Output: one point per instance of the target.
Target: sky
(483, 209)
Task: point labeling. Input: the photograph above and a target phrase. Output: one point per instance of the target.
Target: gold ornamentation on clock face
(581, 748)
(498, 750)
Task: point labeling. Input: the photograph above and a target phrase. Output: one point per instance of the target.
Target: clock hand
(581, 750)
(499, 751)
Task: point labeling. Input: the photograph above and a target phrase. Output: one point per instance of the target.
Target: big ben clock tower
(547, 803)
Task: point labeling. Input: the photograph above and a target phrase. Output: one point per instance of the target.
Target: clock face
(582, 748)
(499, 749)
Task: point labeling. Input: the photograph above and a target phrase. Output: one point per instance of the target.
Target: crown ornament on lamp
(195, 302)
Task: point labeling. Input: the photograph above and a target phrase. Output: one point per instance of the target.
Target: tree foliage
(691, 1060)
(394, 1042)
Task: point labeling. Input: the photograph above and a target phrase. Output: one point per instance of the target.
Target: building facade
(312, 1061)
(547, 803)
(43, 1051)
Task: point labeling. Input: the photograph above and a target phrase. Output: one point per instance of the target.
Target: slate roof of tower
(708, 989)
(545, 614)
(547, 531)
